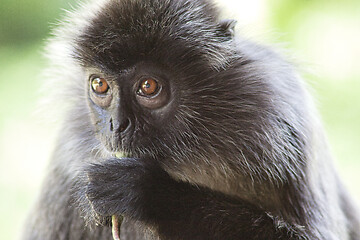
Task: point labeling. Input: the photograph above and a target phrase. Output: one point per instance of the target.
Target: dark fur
(237, 153)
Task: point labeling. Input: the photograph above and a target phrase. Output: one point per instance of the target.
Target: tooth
(116, 224)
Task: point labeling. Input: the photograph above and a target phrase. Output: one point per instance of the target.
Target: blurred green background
(321, 36)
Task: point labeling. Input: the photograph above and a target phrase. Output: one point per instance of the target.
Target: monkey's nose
(116, 125)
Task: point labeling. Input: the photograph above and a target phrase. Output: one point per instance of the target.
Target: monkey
(184, 129)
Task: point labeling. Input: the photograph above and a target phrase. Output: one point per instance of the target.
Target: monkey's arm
(141, 190)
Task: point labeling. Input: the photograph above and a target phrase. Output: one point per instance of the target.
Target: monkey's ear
(228, 26)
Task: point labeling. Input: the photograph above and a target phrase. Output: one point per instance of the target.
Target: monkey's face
(149, 109)
(132, 109)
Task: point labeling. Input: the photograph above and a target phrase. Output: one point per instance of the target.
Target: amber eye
(99, 85)
(151, 93)
(148, 87)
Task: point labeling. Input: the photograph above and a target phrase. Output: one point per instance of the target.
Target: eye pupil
(99, 85)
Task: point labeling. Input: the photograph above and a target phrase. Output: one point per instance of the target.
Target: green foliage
(25, 21)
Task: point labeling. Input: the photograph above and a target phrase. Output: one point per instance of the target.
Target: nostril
(111, 125)
(124, 125)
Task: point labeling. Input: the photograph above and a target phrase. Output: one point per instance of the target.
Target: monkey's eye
(151, 93)
(99, 85)
(148, 87)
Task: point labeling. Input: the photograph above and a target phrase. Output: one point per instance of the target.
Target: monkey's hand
(123, 186)
(141, 190)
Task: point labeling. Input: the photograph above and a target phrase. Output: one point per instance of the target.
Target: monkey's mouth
(120, 154)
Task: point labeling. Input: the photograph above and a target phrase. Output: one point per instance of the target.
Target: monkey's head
(167, 79)
(154, 76)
